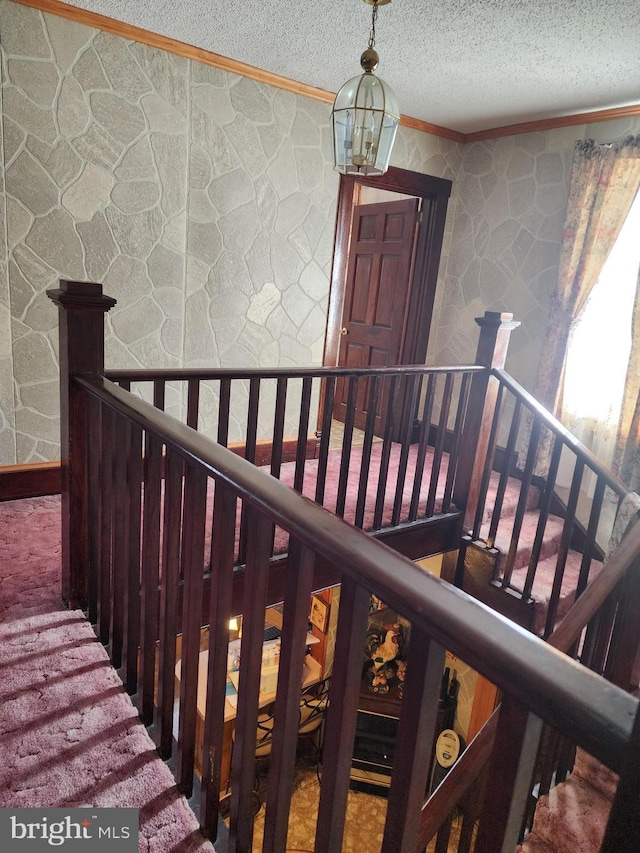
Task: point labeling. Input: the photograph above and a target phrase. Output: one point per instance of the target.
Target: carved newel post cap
(81, 294)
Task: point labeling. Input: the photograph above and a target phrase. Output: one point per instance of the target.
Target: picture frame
(319, 614)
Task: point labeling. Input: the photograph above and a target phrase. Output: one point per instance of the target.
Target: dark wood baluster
(150, 576)
(463, 399)
(159, 392)
(521, 507)
(169, 619)
(125, 384)
(470, 812)
(620, 668)
(195, 505)
(347, 442)
(278, 426)
(598, 637)
(444, 836)
(303, 429)
(488, 468)
(423, 443)
(106, 526)
(94, 451)
(325, 437)
(249, 453)
(341, 717)
(285, 734)
(563, 551)
(439, 448)
(592, 531)
(509, 781)
(224, 405)
(193, 403)
(589, 642)
(392, 406)
(244, 748)
(411, 385)
(252, 420)
(278, 434)
(504, 474)
(366, 450)
(120, 537)
(622, 834)
(414, 743)
(545, 507)
(222, 560)
(131, 639)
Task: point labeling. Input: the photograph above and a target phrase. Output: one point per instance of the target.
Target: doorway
(385, 269)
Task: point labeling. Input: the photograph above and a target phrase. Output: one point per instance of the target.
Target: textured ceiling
(464, 64)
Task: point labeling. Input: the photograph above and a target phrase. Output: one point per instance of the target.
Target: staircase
(571, 818)
(511, 562)
(523, 569)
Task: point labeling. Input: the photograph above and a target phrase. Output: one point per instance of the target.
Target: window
(600, 345)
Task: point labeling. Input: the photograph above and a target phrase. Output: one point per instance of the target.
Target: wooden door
(376, 295)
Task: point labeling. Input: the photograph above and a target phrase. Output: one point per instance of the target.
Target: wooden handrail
(203, 373)
(553, 424)
(594, 596)
(535, 674)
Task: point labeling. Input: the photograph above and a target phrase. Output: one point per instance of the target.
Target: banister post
(624, 648)
(495, 332)
(81, 308)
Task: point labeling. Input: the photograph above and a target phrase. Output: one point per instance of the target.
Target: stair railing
(587, 505)
(136, 501)
(537, 683)
(604, 618)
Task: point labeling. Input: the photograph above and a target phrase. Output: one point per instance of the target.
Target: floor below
(364, 828)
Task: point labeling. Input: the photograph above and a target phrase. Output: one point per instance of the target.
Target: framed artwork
(385, 653)
(319, 613)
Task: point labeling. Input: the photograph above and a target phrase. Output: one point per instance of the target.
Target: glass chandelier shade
(365, 120)
(365, 116)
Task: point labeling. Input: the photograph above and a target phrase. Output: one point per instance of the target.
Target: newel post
(81, 309)
(495, 331)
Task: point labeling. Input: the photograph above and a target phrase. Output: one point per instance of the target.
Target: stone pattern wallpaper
(7, 430)
(511, 201)
(203, 201)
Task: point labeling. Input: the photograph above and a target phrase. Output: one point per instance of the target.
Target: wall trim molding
(30, 481)
(552, 123)
(128, 31)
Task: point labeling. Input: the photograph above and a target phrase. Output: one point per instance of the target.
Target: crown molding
(552, 123)
(118, 28)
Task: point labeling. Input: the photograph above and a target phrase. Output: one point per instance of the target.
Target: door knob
(344, 331)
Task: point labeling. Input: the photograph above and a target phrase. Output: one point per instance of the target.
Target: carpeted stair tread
(596, 774)
(511, 497)
(543, 585)
(553, 532)
(572, 817)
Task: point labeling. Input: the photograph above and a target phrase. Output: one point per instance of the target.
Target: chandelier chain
(372, 34)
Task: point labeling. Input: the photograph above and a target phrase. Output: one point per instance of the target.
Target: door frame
(434, 194)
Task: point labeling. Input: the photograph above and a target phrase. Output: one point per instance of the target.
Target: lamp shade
(365, 119)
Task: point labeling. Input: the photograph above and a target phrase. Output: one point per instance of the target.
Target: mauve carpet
(69, 735)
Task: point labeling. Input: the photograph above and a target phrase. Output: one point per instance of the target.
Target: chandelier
(365, 116)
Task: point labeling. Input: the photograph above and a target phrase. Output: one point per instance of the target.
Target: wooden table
(312, 673)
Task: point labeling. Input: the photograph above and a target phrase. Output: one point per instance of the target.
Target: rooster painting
(384, 650)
